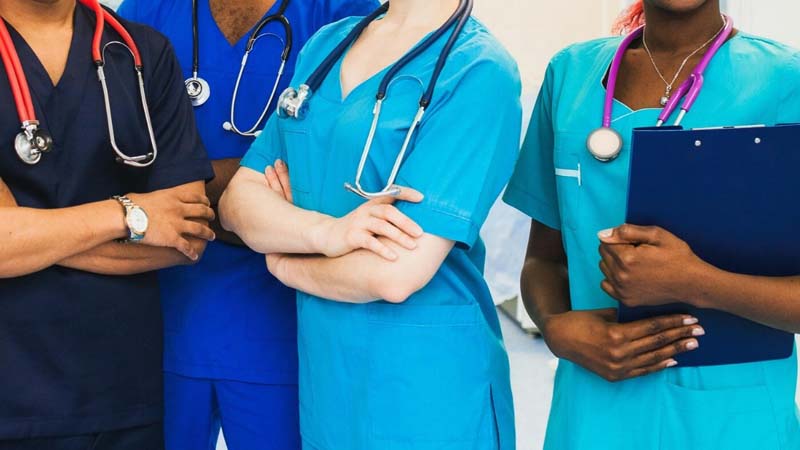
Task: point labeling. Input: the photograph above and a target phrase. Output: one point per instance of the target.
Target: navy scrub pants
(150, 437)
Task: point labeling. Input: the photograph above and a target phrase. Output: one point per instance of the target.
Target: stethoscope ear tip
(227, 126)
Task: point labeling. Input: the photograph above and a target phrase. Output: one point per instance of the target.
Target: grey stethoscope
(200, 91)
(293, 103)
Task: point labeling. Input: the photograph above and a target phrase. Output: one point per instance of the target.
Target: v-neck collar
(40, 83)
(240, 44)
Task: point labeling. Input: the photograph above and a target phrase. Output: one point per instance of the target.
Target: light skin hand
(361, 228)
(646, 266)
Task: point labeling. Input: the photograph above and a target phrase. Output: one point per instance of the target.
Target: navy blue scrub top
(227, 317)
(81, 353)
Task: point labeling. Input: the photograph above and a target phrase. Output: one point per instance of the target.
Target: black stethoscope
(293, 103)
(200, 91)
(33, 142)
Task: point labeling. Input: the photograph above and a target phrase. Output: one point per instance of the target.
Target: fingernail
(213, 237)
(279, 163)
(672, 363)
(692, 345)
(269, 168)
(690, 321)
(605, 234)
(699, 331)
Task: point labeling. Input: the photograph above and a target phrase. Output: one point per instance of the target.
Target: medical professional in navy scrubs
(80, 322)
(230, 327)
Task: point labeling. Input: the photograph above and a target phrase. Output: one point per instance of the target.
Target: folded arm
(82, 237)
(362, 276)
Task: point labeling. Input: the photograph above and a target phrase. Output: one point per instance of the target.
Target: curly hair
(630, 19)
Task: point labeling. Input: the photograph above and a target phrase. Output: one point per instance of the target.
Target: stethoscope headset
(200, 91)
(33, 141)
(294, 103)
(605, 143)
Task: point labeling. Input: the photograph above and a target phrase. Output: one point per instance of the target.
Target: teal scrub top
(558, 183)
(431, 373)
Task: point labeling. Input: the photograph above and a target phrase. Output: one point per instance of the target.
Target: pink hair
(630, 19)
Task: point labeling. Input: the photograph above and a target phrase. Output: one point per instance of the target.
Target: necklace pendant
(664, 100)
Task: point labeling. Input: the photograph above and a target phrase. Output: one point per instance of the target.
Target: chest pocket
(569, 148)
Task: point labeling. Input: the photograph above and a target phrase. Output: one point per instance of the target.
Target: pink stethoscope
(33, 141)
(605, 143)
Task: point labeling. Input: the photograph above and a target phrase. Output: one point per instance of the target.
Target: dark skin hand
(646, 266)
(593, 339)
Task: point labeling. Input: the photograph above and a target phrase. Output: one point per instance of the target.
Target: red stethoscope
(33, 141)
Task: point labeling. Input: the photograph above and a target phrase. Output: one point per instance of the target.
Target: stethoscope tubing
(16, 76)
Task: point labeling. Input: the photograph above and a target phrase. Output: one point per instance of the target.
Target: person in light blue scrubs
(618, 386)
(402, 350)
(230, 356)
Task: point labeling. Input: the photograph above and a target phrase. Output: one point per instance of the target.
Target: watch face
(137, 220)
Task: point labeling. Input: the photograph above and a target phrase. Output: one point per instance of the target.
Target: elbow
(225, 209)
(398, 290)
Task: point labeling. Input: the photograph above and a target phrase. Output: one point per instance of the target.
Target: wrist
(696, 287)
(317, 234)
(114, 220)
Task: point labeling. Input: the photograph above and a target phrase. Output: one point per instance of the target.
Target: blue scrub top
(431, 373)
(227, 317)
(750, 81)
(81, 353)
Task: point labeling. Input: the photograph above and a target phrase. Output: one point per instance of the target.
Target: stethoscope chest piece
(30, 148)
(199, 90)
(293, 103)
(605, 144)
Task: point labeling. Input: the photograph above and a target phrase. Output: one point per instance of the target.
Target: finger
(199, 230)
(655, 325)
(393, 215)
(642, 371)
(272, 180)
(609, 314)
(372, 244)
(613, 255)
(382, 228)
(185, 247)
(664, 353)
(631, 234)
(661, 340)
(193, 197)
(609, 288)
(606, 271)
(283, 177)
(408, 195)
(198, 211)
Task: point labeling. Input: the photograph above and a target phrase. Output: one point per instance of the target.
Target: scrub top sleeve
(532, 188)
(265, 149)
(182, 157)
(464, 153)
(789, 110)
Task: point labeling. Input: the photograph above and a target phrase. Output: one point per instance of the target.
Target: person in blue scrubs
(80, 319)
(618, 386)
(400, 344)
(230, 356)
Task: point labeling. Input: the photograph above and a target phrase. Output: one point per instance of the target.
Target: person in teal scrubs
(618, 386)
(399, 342)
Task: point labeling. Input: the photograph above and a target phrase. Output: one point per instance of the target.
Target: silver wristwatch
(135, 218)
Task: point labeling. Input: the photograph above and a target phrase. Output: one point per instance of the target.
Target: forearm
(224, 170)
(264, 220)
(34, 239)
(545, 290)
(128, 259)
(774, 302)
(362, 276)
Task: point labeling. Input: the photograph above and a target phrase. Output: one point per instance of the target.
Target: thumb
(629, 234)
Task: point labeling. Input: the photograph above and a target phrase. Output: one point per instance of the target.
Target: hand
(274, 261)
(616, 352)
(175, 216)
(278, 180)
(7, 199)
(362, 227)
(645, 266)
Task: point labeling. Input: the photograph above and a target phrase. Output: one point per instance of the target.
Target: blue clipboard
(733, 194)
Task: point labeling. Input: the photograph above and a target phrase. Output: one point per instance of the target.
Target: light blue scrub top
(750, 406)
(226, 317)
(431, 373)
